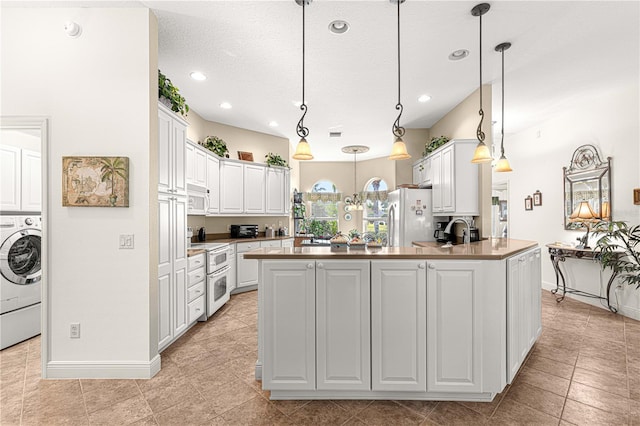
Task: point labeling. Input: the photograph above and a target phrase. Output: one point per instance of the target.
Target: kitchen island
(421, 322)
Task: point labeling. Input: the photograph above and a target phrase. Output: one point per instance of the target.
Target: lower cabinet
(289, 325)
(398, 325)
(342, 325)
(247, 269)
(523, 307)
(454, 326)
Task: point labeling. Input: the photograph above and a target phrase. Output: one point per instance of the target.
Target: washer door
(21, 257)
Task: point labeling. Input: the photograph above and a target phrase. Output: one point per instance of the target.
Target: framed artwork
(502, 210)
(636, 196)
(528, 203)
(95, 181)
(246, 156)
(537, 198)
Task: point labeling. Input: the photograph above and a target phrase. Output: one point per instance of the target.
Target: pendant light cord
(302, 131)
(398, 130)
(502, 124)
(479, 133)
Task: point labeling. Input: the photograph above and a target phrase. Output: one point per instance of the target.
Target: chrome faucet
(467, 236)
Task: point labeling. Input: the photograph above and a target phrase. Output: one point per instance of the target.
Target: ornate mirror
(587, 188)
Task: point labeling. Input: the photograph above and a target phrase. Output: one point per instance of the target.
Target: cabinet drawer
(196, 309)
(195, 291)
(196, 276)
(242, 247)
(196, 261)
(270, 243)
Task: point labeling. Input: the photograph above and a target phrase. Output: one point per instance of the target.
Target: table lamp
(583, 213)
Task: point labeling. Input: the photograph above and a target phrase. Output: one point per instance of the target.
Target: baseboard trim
(103, 370)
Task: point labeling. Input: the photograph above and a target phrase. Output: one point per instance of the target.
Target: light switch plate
(126, 241)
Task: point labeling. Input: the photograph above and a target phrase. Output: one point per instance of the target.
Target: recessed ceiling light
(273, 124)
(424, 98)
(339, 27)
(456, 55)
(225, 105)
(198, 76)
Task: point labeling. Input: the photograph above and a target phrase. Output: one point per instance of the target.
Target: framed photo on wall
(502, 210)
(528, 203)
(95, 181)
(537, 198)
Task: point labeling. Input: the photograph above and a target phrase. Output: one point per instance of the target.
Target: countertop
(195, 251)
(491, 249)
(242, 240)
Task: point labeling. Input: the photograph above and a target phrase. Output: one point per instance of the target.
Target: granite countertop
(490, 249)
(242, 240)
(195, 251)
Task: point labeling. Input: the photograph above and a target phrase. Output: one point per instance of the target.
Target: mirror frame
(585, 166)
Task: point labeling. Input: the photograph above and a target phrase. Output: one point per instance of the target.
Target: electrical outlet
(74, 330)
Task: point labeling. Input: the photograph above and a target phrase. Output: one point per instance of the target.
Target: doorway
(500, 209)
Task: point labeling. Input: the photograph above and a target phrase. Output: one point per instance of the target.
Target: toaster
(244, 231)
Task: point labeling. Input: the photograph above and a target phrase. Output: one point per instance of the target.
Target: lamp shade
(503, 165)
(482, 154)
(606, 210)
(303, 151)
(399, 150)
(583, 211)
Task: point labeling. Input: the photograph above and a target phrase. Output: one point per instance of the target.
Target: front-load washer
(20, 278)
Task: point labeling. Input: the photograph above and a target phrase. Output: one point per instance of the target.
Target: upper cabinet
(231, 182)
(172, 136)
(422, 172)
(21, 188)
(196, 160)
(454, 179)
(254, 188)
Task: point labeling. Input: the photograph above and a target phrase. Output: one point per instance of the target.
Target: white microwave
(198, 201)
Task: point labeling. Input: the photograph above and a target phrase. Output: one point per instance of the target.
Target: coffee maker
(439, 234)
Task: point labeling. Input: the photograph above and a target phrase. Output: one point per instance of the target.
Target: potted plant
(619, 250)
(275, 160)
(171, 93)
(216, 145)
(435, 143)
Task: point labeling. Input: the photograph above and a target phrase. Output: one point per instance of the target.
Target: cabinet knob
(320, 266)
(421, 265)
(522, 259)
(309, 265)
(432, 266)
(197, 309)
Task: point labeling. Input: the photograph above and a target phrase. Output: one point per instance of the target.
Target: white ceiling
(251, 51)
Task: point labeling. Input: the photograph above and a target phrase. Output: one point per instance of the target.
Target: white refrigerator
(410, 217)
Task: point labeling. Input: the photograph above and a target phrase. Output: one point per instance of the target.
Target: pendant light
(399, 149)
(482, 154)
(303, 150)
(356, 200)
(503, 164)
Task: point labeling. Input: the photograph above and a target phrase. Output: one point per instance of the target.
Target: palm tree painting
(113, 167)
(95, 181)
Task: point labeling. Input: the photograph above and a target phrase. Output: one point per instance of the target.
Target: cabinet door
(436, 181)
(287, 243)
(427, 173)
(31, 181)
(165, 155)
(447, 180)
(247, 271)
(254, 189)
(289, 325)
(275, 190)
(287, 192)
(536, 289)
(179, 132)
(190, 161)
(10, 167)
(398, 325)
(454, 326)
(180, 310)
(213, 184)
(200, 162)
(417, 173)
(165, 330)
(343, 325)
(231, 182)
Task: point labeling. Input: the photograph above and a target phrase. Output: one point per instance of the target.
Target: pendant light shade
(482, 154)
(303, 150)
(399, 149)
(503, 163)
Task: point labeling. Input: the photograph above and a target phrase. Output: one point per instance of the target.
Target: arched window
(376, 208)
(323, 202)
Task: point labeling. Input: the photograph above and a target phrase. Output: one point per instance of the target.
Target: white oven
(218, 270)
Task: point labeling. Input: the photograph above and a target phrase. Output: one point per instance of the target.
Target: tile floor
(584, 370)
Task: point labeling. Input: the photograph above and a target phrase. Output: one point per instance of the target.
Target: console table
(560, 254)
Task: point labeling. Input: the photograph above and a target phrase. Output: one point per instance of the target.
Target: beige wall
(462, 123)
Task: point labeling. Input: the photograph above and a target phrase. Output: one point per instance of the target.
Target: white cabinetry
(275, 190)
(343, 325)
(422, 172)
(196, 287)
(213, 184)
(254, 189)
(247, 269)
(398, 325)
(172, 136)
(21, 180)
(231, 182)
(172, 268)
(454, 179)
(288, 243)
(289, 325)
(523, 307)
(232, 280)
(454, 326)
(196, 168)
